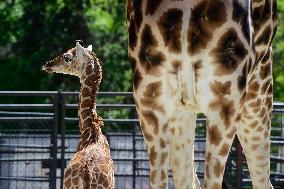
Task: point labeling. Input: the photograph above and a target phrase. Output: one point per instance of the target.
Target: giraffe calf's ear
(90, 48)
(79, 50)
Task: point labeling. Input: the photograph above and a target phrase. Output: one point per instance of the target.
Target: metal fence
(39, 134)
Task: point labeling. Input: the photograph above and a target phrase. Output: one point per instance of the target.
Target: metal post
(134, 159)
(53, 152)
(63, 130)
(239, 164)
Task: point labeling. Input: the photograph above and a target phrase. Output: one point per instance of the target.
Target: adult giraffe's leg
(153, 110)
(221, 107)
(219, 139)
(254, 130)
(182, 134)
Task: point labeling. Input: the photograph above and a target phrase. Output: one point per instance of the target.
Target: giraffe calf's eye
(67, 58)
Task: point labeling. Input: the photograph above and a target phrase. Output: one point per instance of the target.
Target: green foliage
(35, 31)
(278, 56)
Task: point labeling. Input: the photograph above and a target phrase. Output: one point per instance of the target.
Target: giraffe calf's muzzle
(47, 67)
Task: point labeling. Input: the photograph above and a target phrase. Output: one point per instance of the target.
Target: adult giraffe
(210, 56)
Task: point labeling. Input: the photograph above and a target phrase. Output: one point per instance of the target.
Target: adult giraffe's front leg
(218, 143)
(153, 114)
(182, 135)
(222, 110)
(169, 134)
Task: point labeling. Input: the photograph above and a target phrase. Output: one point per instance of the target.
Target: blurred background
(39, 130)
(33, 32)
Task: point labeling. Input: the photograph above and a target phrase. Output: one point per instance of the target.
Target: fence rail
(39, 134)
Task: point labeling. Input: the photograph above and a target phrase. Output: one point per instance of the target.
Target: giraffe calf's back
(91, 167)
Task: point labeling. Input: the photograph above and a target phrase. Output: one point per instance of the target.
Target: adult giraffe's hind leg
(182, 134)
(254, 129)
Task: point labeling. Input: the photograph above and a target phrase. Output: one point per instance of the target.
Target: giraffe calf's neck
(89, 122)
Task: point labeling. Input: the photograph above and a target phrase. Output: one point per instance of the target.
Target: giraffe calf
(91, 166)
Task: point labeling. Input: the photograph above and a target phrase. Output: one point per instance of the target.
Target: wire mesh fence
(39, 134)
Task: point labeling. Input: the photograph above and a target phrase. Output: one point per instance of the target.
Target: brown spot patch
(132, 62)
(153, 90)
(162, 143)
(87, 123)
(265, 86)
(151, 96)
(86, 92)
(197, 66)
(129, 9)
(150, 58)
(152, 6)
(253, 86)
(208, 159)
(153, 176)
(75, 181)
(218, 168)
(176, 65)
(85, 113)
(255, 104)
(138, 14)
(163, 158)
(151, 120)
(251, 95)
(226, 109)
(132, 34)
(216, 186)
(176, 163)
(224, 150)
(89, 69)
(214, 135)
(170, 25)
(265, 71)
(67, 183)
(229, 53)
(163, 175)
(242, 79)
(205, 18)
(165, 128)
(240, 15)
(90, 80)
(246, 130)
(207, 171)
(260, 15)
(137, 78)
(253, 124)
(153, 156)
(265, 37)
(221, 89)
(255, 138)
(86, 103)
(148, 137)
(254, 146)
(267, 57)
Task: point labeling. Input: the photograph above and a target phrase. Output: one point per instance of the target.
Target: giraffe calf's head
(71, 62)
